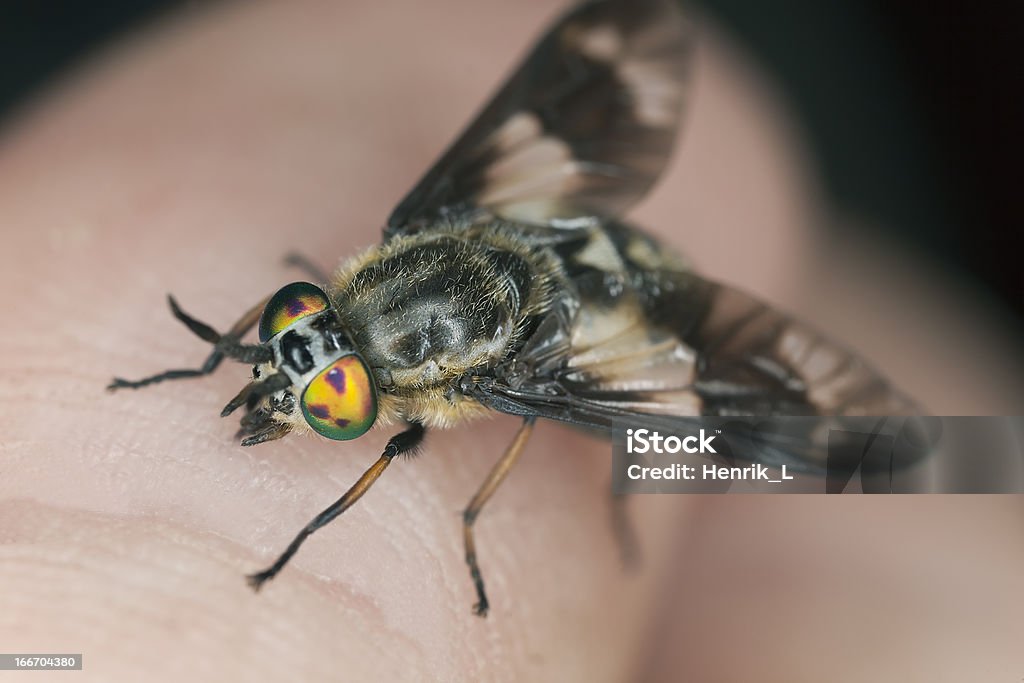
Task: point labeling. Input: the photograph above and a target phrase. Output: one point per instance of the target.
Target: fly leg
(487, 489)
(297, 260)
(624, 531)
(403, 442)
(224, 345)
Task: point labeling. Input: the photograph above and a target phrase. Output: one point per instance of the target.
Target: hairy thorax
(427, 309)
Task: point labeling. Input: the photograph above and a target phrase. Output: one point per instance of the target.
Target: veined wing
(644, 339)
(581, 130)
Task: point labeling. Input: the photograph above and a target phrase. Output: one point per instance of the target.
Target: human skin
(191, 159)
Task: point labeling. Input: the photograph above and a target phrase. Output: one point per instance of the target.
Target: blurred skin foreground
(191, 160)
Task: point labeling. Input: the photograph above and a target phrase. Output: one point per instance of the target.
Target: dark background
(914, 111)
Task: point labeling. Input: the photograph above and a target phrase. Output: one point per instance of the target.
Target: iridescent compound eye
(341, 402)
(292, 302)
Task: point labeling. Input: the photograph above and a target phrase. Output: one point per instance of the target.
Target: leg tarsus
(482, 605)
(469, 515)
(209, 365)
(205, 332)
(198, 328)
(625, 533)
(297, 260)
(397, 445)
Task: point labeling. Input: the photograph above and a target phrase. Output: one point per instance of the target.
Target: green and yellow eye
(292, 302)
(341, 402)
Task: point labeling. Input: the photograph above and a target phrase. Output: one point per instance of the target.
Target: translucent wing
(734, 356)
(581, 130)
(643, 338)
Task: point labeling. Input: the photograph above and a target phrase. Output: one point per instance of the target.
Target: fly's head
(315, 372)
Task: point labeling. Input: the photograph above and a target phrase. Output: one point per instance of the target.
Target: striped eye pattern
(291, 303)
(341, 402)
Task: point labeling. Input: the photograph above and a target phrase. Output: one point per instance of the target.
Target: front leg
(224, 345)
(405, 442)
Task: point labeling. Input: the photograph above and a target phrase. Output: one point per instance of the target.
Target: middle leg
(487, 489)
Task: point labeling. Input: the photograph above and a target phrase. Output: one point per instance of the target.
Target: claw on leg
(487, 489)
(227, 345)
